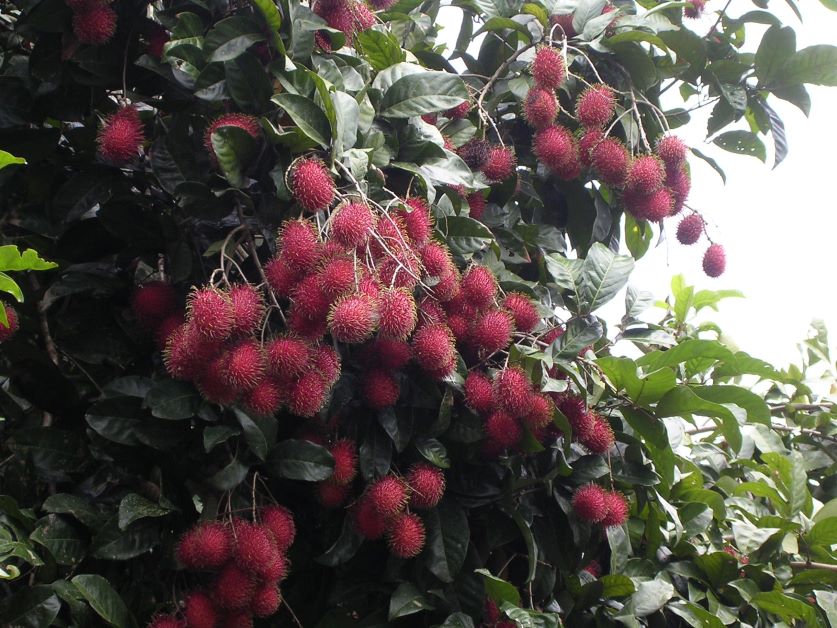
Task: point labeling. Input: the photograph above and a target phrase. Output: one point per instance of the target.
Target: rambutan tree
(318, 342)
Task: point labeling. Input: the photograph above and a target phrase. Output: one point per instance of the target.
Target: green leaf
(64, 503)
(465, 235)
(749, 538)
(380, 48)
(344, 548)
(12, 259)
(777, 44)
(247, 82)
(407, 600)
(307, 115)
(686, 350)
(650, 597)
(694, 615)
(63, 540)
(231, 37)
(683, 401)
(743, 143)
(642, 390)
(616, 585)
(30, 607)
(757, 409)
(638, 236)
(786, 607)
(816, 65)
(458, 620)
(134, 507)
(113, 543)
(794, 480)
(7, 159)
(498, 589)
(9, 286)
(824, 532)
(234, 149)
(424, 92)
(433, 451)
(448, 535)
(273, 19)
(104, 600)
(214, 435)
(603, 274)
(170, 399)
(829, 509)
(529, 541)
(301, 460)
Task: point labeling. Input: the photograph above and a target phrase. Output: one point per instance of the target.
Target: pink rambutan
(589, 503)
(479, 392)
(714, 260)
(367, 521)
(616, 507)
(205, 546)
(433, 346)
(599, 439)
(265, 398)
(213, 384)
(311, 184)
(595, 106)
(309, 298)
(548, 68)
(672, 151)
(460, 327)
(555, 147)
(387, 353)
(234, 587)
(513, 391)
(417, 219)
(540, 107)
(680, 184)
(288, 356)
(541, 413)
(653, 207)
(307, 395)
(247, 123)
(690, 229)
(280, 522)
(237, 619)
(281, 277)
(405, 537)
(552, 335)
(436, 259)
(565, 23)
(121, 135)
(427, 485)
(474, 153)
(344, 452)
(337, 277)
(500, 163)
(587, 144)
(244, 365)
(326, 362)
(299, 244)
(165, 621)
(460, 111)
(211, 313)
(277, 570)
(332, 495)
(430, 118)
(187, 351)
(248, 308)
(167, 327)
(379, 389)
(476, 203)
(254, 548)
(479, 286)
(302, 325)
(503, 429)
(353, 319)
(157, 38)
(152, 302)
(645, 175)
(199, 610)
(523, 310)
(266, 600)
(696, 9)
(352, 223)
(493, 331)
(388, 495)
(430, 311)
(490, 611)
(94, 23)
(402, 272)
(10, 329)
(610, 161)
(593, 568)
(397, 313)
(449, 286)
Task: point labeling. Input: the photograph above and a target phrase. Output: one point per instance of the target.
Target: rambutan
(575, 409)
(448, 286)
(610, 161)
(555, 147)
(433, 346)
(387, 353)
(500, 163)
(430, 118)
(337, 277)
(523, 310)
(598, 440)
(121, 134)
(299, 244)
(248, 308)
(690, 229)
(616, 507)
(237, 619)
(680, 184)
(247, 123)
(653, 207)
(379, 389)
(402, 272)
(417, 219)
(479, 392)
(281, 277)
(513, 391)
(565, 23)
(587, 144)
(302, 325)
(444, 370)
(552, 335)
(186, 352)
(353, 319)
(309, 298)
(165, 621)
(589, 503)
(280, 522)
(199, 611)
(540, 414)
(213, 384)
(595, 106)
(436, 259)
(369, 285)
(307, 395)
(427, 485)
(326, 362)
(548, 68)
(211, 313)
(696, 9)
(493, 331)
(593, 568)
(448, 143)
(479, 286)
(430, 311)
(244, 365)
(205, 546)
(311, 184)
(265, 398)
(405, 537)
(157, 38)
(167, 327)
(234, 587)
(152, 302)
(540, 107)
(490, 611)
(367, 521)
(476, 203)
(10, 329)
(344, 452)
(714, 260)
(503, 429)
(332, 495)
(388, 495)
(94, 23)
(254, 548)
(672, 150)
(460, 327)
(474, 152)
(266, 600)
(352, 223)
(645, 175)
(397, 313)
(460, 111)
(277, 570)
(288, 356)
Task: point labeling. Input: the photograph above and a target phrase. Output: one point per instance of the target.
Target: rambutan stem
(252, 246)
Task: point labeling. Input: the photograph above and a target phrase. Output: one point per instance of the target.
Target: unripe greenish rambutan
(690, 229)
(353, 319)
(540, 107)
(405, 537)
(595, 106)
(610, 161)
(503, 429)
(714, 260)
(523, 310)
(427, 486)
(548, 68)
(500, 163)
(211, 313)
(121, 134)
(589, 503)
(379, 389)
(388, 495)
(479, 392)
(311, 184)
(352, 223)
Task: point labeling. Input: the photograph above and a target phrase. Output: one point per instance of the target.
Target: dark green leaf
(301, 460)
(498, 589)
(777, 44)
(448, 535)
(433, 451)
(234, 149)
(407, 600)
(104, 600)
(170, 399)
(231, 37)
(307, 115)
(603, 274)
(381, 49)
(63, 540)
(134, 507)
(743, 143)
(423, 92)
(30, 607)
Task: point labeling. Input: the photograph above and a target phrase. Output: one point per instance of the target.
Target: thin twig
(802, 564)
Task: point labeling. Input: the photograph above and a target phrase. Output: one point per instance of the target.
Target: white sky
(778, 226)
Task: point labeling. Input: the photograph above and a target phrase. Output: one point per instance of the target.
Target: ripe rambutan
(205, 546)
(610, 161)
(94, 23)
(280, 522)
(645, 175)
(213, 384)
(500, 163)
(152, 302)
(589, 503)
(541, 413)
(309, 299)
(234, 587)
(199, 611)
(245, 365)
(672, 150)
(448, 286)
(433, 346)
(490, 611)
(352, 223)
(587, 144)
(364, 18)
(690, 229)
(479, 392)
(379, 389)
(307, 395)
(460, 111)
(337, 277)
(254, 548)
(248, 308)
(402, 272)
(476, 203)
(387, 353)
(165, 621)
(288, 356)
(555, 147)
(121, 134)
(280, 277)
(595, 106)
(680, 184)
(523, 310)
(599, 439)
(266, 600)
(430, 118)
(299, 323)
(565, 22)
(552, 335)
(492, 331)
(503, 429)
(388, 495)
(593, 568)
(696, 10)
(513, 391)
(369, 285)
(157, 38)
(277, 570)
(211, 313)
(714, 260)
(248, 124)
(548, 68)
(265, 398)
(430, 311)
(427, 485)
(575, 409)
(299, 244)
(10, 329)
(186, 352)
(653, 207)
(167, 327)
(474, 152)
(417, 219)
(617, 509)
(332, 495)
(353, 319)
(479, 286)
(311, 184)
(405, 537)
(397, 313)
(540, 107)
(237, 619)
(326, 362)
(344, 452)
(367, 521)
(436, 259)
(460, 327)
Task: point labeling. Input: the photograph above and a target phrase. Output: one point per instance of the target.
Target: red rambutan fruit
(493, 331)
(680, 184)
(430, 118)
(548, 68)
(610, 161)
(479, 286)
(379, 389)
(430, 311)
(490, 611)
(599, 439)
(352, 223)
(167, 327)
(165, 621)
(460, 111)
(254, 548)
(337, 277)
(309, 298)
(234, 587)
(157, 38)
(248, 308)
(427, 485)
(299, 244)
(541, 413)
(417, 219)
(476, 203)
(645, 175)
(211, 313)
(280, 277)
(460, 327)
(367, 521)
(266, 600)
(653, 207)
(696, 10)
(265, 398)
(388, 495)
(152, 302)
(565, 21)
(503, 429)
(403, 272)
(302, 325)
(353, 318)
(574, 408)
(10, 329)
(311, 184)
(307, 395)
(205, 546)
(479, 392)
(326, 362)
(714, 260)
(344, 452)
(433, 346)
(617, 509)
(247, 123)
(500, 163)
(387, 353)
(364, 18)
(332, 495)
(94, 23)
(513, 391)
(448, 143)
(121, 134)
(589, 503)
(690, 229)
(369, 285)
(237, 619)
(595, 106)
(555, 147)
(186, 352)
(593, 568)
(523, 310)
(436, 259)
(199, 611)
(552, 335)
(280, 522)
(587, 144)
(397, 313)
(448, 286)
(672, 150)
(405, 537)
(540, 107)
(288, 356)
(474, 153)
(213, 384)
(245, 365)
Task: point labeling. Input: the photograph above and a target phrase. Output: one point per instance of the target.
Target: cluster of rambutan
(593, 504)
(94, 21)
(9, 330)
(347, 16)
(249, 560)
(590, 429)
(120, 136)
